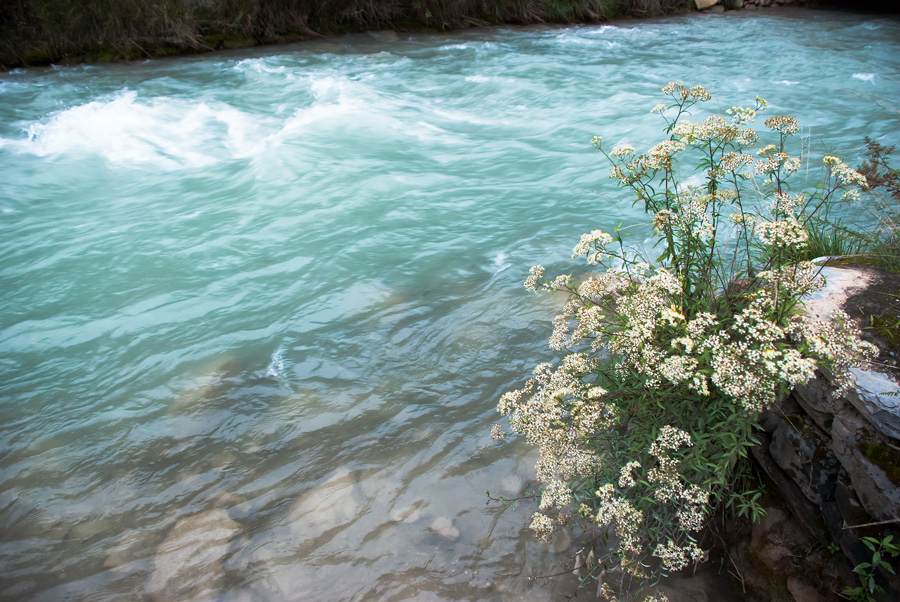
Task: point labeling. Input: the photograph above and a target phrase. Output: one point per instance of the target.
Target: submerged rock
(188, 562)
(337, 502)
(443, 526)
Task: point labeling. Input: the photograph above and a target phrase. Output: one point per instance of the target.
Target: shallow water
(258, 307)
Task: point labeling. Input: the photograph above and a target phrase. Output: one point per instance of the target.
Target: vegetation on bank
(39, 32)
(671, 352)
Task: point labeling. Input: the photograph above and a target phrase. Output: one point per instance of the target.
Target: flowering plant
(668, 363)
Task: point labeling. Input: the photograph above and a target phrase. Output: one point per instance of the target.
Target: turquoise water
(257, 307)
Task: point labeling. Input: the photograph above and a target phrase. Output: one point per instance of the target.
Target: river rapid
(258, 307)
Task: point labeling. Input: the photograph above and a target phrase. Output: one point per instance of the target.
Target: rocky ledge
(833, 469)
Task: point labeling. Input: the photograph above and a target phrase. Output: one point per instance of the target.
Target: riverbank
(38, 32)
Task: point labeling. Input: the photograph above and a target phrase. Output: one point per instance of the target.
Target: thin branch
(882, 522)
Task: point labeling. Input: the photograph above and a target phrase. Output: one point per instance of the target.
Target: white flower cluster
(542, 525)
(795, 280)
(692, 515)
(619, 512)
(555, 495)
(783, 124)
(778, 163)
(748, 360)
(837, 342)
(670, 439)
(846, 175)
(660, 155)
(783, 203)
(593, 246)
(712, 128)
(623, 151)
(534, 279)
(679, 92)
(785, 233)
(603, 285)
(742, 220)
(742, 115)
(626, 478)
(556, 411)
(689, 216)
(675, 557)
(734, 162)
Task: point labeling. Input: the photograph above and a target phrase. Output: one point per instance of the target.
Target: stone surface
(835, 462)
(802, 590)
(852, 511)
(851, 442)
(831, 516)
(803, 453)
(715, 9)
(701, 4)
(840, 283)
(877, 397)
(817, 401)
(808, 514)
(772, 417)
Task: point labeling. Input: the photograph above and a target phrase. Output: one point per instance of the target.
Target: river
(258, 306)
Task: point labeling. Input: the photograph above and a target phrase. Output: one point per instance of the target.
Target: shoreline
(33, 36)
(23, 51)
(20, 52)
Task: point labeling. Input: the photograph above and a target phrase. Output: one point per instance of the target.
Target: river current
(258, 307)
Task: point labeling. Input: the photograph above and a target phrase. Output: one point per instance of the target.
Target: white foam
(786, 82)
(478, 79)
(696, 179)
(275, 368)
(344, 103)
(257, 65)
(866, 77)
(500, 262)
(454, 47)
(568, 38)
(124, 129)
(9, 86)
(464, 117)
